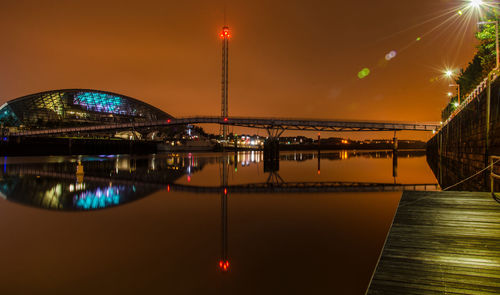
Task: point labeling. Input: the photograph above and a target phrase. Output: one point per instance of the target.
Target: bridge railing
(263, 123)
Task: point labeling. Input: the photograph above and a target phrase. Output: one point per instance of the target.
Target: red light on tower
(225, 33)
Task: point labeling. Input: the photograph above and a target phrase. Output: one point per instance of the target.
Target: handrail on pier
(493, 175)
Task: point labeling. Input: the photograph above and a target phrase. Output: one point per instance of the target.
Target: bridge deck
(260, 123)
(441, 243)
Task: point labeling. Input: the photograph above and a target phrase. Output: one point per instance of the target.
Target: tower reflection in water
(224, 173)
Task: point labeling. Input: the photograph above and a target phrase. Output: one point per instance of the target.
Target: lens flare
(364, 73)
(390, 55)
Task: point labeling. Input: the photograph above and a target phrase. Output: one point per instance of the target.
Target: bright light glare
(450, 94)
(455, 104)
(448, 73)
(476, 3)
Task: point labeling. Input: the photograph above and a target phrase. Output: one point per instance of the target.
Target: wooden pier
(441, 243)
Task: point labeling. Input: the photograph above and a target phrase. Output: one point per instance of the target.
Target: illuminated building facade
(76, 107)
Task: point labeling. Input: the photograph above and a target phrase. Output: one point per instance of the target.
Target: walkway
(261, 123)
(441, 243)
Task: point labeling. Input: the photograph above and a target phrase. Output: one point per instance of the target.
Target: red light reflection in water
(224, 265)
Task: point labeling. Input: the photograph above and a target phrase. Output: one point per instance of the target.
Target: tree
(481, 65)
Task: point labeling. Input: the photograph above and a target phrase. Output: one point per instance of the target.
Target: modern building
(75, 107)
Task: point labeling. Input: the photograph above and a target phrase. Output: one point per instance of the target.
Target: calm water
(199, 223)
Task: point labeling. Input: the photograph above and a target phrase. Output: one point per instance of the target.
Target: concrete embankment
(463, 145)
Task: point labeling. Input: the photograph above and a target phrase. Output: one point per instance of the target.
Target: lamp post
(458, 91)
(496, 37)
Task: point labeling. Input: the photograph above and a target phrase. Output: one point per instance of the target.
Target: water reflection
(89, 183)
(96, 183)
(460, 175)
(208, 214)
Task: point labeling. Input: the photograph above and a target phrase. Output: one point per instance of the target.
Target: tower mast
(225, 63)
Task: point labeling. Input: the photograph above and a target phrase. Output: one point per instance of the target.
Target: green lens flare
(363, 73)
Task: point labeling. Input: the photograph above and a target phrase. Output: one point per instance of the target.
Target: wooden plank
(441, 243)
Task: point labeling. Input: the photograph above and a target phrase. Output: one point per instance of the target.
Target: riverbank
(466, 140)
(43, 146)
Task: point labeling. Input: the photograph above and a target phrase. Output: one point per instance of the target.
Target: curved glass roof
(76, 107)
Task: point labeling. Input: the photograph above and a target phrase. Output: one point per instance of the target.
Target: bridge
(274, 126)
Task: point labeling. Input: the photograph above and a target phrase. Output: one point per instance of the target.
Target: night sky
(287, 58)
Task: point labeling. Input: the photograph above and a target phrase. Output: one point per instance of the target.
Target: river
(201, 223)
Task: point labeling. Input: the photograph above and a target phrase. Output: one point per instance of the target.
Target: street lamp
(496, 36)
(458, 90)
(476, 3)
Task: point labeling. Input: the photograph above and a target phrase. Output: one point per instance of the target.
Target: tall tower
(225, 63)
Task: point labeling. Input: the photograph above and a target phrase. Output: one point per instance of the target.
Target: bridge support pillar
(271, 154)
(272, 148)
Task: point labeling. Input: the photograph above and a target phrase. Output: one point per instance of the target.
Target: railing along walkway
(472, 96)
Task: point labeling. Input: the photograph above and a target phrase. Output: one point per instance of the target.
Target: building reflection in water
(94, 183)
(99, 198)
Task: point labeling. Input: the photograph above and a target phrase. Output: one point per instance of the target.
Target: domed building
(75, 107)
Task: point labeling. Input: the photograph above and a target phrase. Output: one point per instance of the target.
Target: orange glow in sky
(293, 59)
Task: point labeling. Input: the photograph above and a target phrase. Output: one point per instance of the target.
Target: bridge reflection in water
(109, 181)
